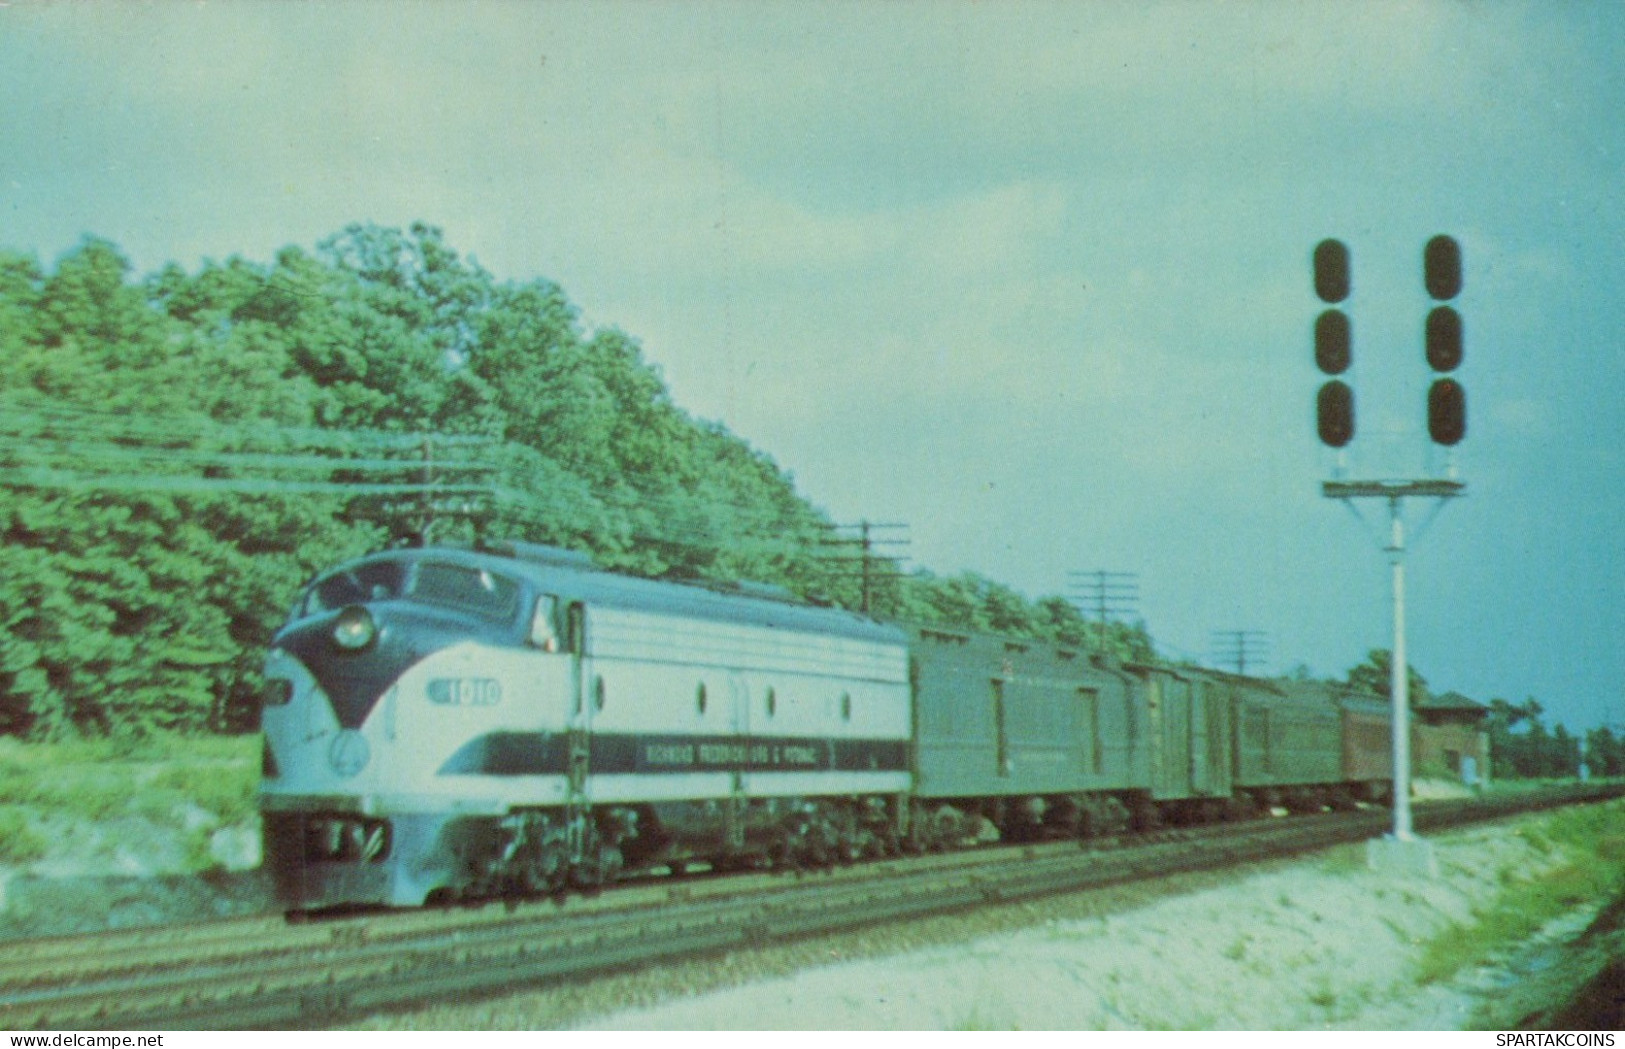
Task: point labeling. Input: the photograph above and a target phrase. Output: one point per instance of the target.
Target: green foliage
(973, 603)
(1591, 841)
(1536, 752)
(1375, 676)
(20, 842)
(102, 779)
(130, 608)
(1605, 752)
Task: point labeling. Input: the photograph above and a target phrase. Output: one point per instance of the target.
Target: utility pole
(870, 571)
(1234, 647)
(1106, 594)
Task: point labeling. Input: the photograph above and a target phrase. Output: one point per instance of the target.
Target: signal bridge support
(1401, 851)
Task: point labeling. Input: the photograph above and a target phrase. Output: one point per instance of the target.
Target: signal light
(1334, 414)
(1443, 339)
(1441, 267)
(1332, 270)
(1447, 412)
(1332, 342)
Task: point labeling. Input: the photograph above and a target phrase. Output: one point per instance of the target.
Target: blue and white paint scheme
(444, 722)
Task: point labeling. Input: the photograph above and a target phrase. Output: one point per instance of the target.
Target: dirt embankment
(1324, 943)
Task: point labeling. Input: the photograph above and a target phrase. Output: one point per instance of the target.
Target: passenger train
(443, 723)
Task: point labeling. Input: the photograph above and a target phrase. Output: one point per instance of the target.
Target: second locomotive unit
(445, 723)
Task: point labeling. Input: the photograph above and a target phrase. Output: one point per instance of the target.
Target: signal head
(1331, 270)
(1441, 267)
(1332, 342)
(1443, 339)
(1334, 414)
(1447, 412)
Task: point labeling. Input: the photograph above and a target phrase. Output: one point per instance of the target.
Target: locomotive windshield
(466, 589)
(376, 581)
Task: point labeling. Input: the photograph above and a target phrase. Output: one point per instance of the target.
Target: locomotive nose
(356, 654)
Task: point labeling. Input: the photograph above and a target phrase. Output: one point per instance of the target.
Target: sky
(1032, 278)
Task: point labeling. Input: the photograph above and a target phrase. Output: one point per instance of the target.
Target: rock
(236, 848)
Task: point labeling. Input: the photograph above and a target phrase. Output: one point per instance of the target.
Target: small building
(1455, 744)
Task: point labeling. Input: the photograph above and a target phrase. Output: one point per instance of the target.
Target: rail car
(445, 723)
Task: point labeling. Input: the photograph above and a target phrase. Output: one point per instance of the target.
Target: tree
(134, 596)
(1604, 752)
(1562, 760)
(123, 609)
(1535, 753)
(1375, 676)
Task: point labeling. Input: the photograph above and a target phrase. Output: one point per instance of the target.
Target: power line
(418, 476)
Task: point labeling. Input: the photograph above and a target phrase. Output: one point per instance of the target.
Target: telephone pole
(1239, 647)
(872, 566)
(1106, 594)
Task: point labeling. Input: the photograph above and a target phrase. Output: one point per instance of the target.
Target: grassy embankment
(1588, 845)
(180, 787)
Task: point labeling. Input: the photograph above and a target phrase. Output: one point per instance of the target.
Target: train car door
(1170, 712)
(1089, 747)
(586, 694)
(1211, 772)
(1201, 770)
(734, 808)
(1221, 763)
(1001, 736)
(1153, 731)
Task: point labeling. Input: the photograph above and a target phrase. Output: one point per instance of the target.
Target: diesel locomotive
(443, 723)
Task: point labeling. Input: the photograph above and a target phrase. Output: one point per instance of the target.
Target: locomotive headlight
(354, 629)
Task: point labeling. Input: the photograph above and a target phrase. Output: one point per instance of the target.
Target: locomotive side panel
(696, 709)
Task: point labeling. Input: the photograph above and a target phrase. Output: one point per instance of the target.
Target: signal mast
(1446, 424)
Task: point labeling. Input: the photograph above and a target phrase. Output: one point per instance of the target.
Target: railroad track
(257, 973)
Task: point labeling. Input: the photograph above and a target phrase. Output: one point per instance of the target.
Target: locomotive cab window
(378, 581)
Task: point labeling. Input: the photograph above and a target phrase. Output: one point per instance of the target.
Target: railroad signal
(1332, 270)
(1334, 414)
(1333, 350)
(1447, 412)
(1443, 339)
(1441, 267)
